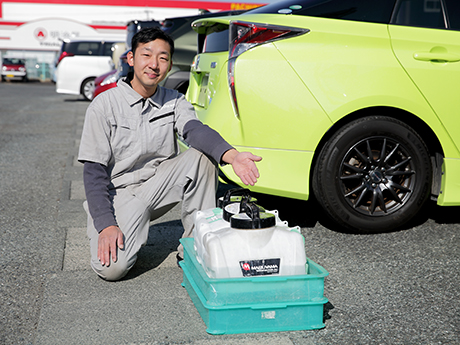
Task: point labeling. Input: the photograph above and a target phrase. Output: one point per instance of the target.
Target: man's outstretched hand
(243, 164)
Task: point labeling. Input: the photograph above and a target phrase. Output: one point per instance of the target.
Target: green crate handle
(269, 306)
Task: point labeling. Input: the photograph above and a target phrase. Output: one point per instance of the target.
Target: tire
(87, 89)
(373, 175)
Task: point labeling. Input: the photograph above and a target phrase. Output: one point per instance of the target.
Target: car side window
(420, 13)
(107, 50)
(85, 48)
(453, 14)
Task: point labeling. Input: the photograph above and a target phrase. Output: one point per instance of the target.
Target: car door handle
(436, 57)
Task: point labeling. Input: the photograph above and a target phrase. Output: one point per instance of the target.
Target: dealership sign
(47, 34)
(42, 24)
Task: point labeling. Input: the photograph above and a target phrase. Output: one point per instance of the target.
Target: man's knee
(207, 167)
(115, 271)
(198, 156)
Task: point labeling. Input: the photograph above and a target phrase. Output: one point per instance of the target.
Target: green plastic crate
(259, 304)
(256, 317)
(261, 289)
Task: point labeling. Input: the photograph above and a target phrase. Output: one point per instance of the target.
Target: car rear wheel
(87, 89)
(373, 175)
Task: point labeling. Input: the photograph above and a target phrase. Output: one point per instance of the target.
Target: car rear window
(216, 41)
(358, 10)
(83, 48)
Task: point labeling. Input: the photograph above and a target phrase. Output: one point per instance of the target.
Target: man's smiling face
(151, 63)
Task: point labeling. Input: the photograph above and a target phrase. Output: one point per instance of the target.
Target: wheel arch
(426, 133)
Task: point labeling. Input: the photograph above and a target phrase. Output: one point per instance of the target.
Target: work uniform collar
(132, 97)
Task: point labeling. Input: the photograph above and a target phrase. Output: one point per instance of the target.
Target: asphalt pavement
(392, 288)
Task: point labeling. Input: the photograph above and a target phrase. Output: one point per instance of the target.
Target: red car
(110, 79)
(105, 82)
(13, 68)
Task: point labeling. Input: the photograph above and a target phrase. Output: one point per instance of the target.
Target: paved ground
(394, 288)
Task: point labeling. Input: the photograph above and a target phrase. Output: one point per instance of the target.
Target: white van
(81, 60)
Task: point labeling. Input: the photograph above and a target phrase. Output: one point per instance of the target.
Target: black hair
(147, 35)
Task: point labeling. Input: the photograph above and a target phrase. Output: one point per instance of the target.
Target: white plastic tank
(218, 218)
(206, 221)
(253, 245)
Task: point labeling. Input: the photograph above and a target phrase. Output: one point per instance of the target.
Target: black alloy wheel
(373, 175)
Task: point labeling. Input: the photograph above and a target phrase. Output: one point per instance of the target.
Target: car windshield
(359, 10)
(12, 61)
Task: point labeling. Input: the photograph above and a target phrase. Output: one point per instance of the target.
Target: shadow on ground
(308, 213)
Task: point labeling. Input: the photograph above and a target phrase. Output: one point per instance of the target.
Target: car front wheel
(373, 175)
(87, 89)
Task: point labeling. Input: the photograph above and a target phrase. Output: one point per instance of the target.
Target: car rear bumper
(66, 91)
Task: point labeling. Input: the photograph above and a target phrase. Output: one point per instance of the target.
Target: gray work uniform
(136, 140)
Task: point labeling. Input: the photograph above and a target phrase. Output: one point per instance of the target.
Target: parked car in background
(105, 82)
(352, 101)
(14, 68)
(81, 60)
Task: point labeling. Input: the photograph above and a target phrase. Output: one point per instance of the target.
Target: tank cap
(240, 206)
(252, 218)
(234, 195)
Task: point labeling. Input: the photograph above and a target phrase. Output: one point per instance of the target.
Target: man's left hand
(243, 164)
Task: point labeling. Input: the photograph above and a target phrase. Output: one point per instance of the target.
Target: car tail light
(244, 36)
(63, 55)
(231, 84)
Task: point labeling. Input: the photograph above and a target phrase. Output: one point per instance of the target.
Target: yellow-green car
(353, 101)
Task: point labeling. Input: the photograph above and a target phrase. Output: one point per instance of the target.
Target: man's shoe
(179, 259)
